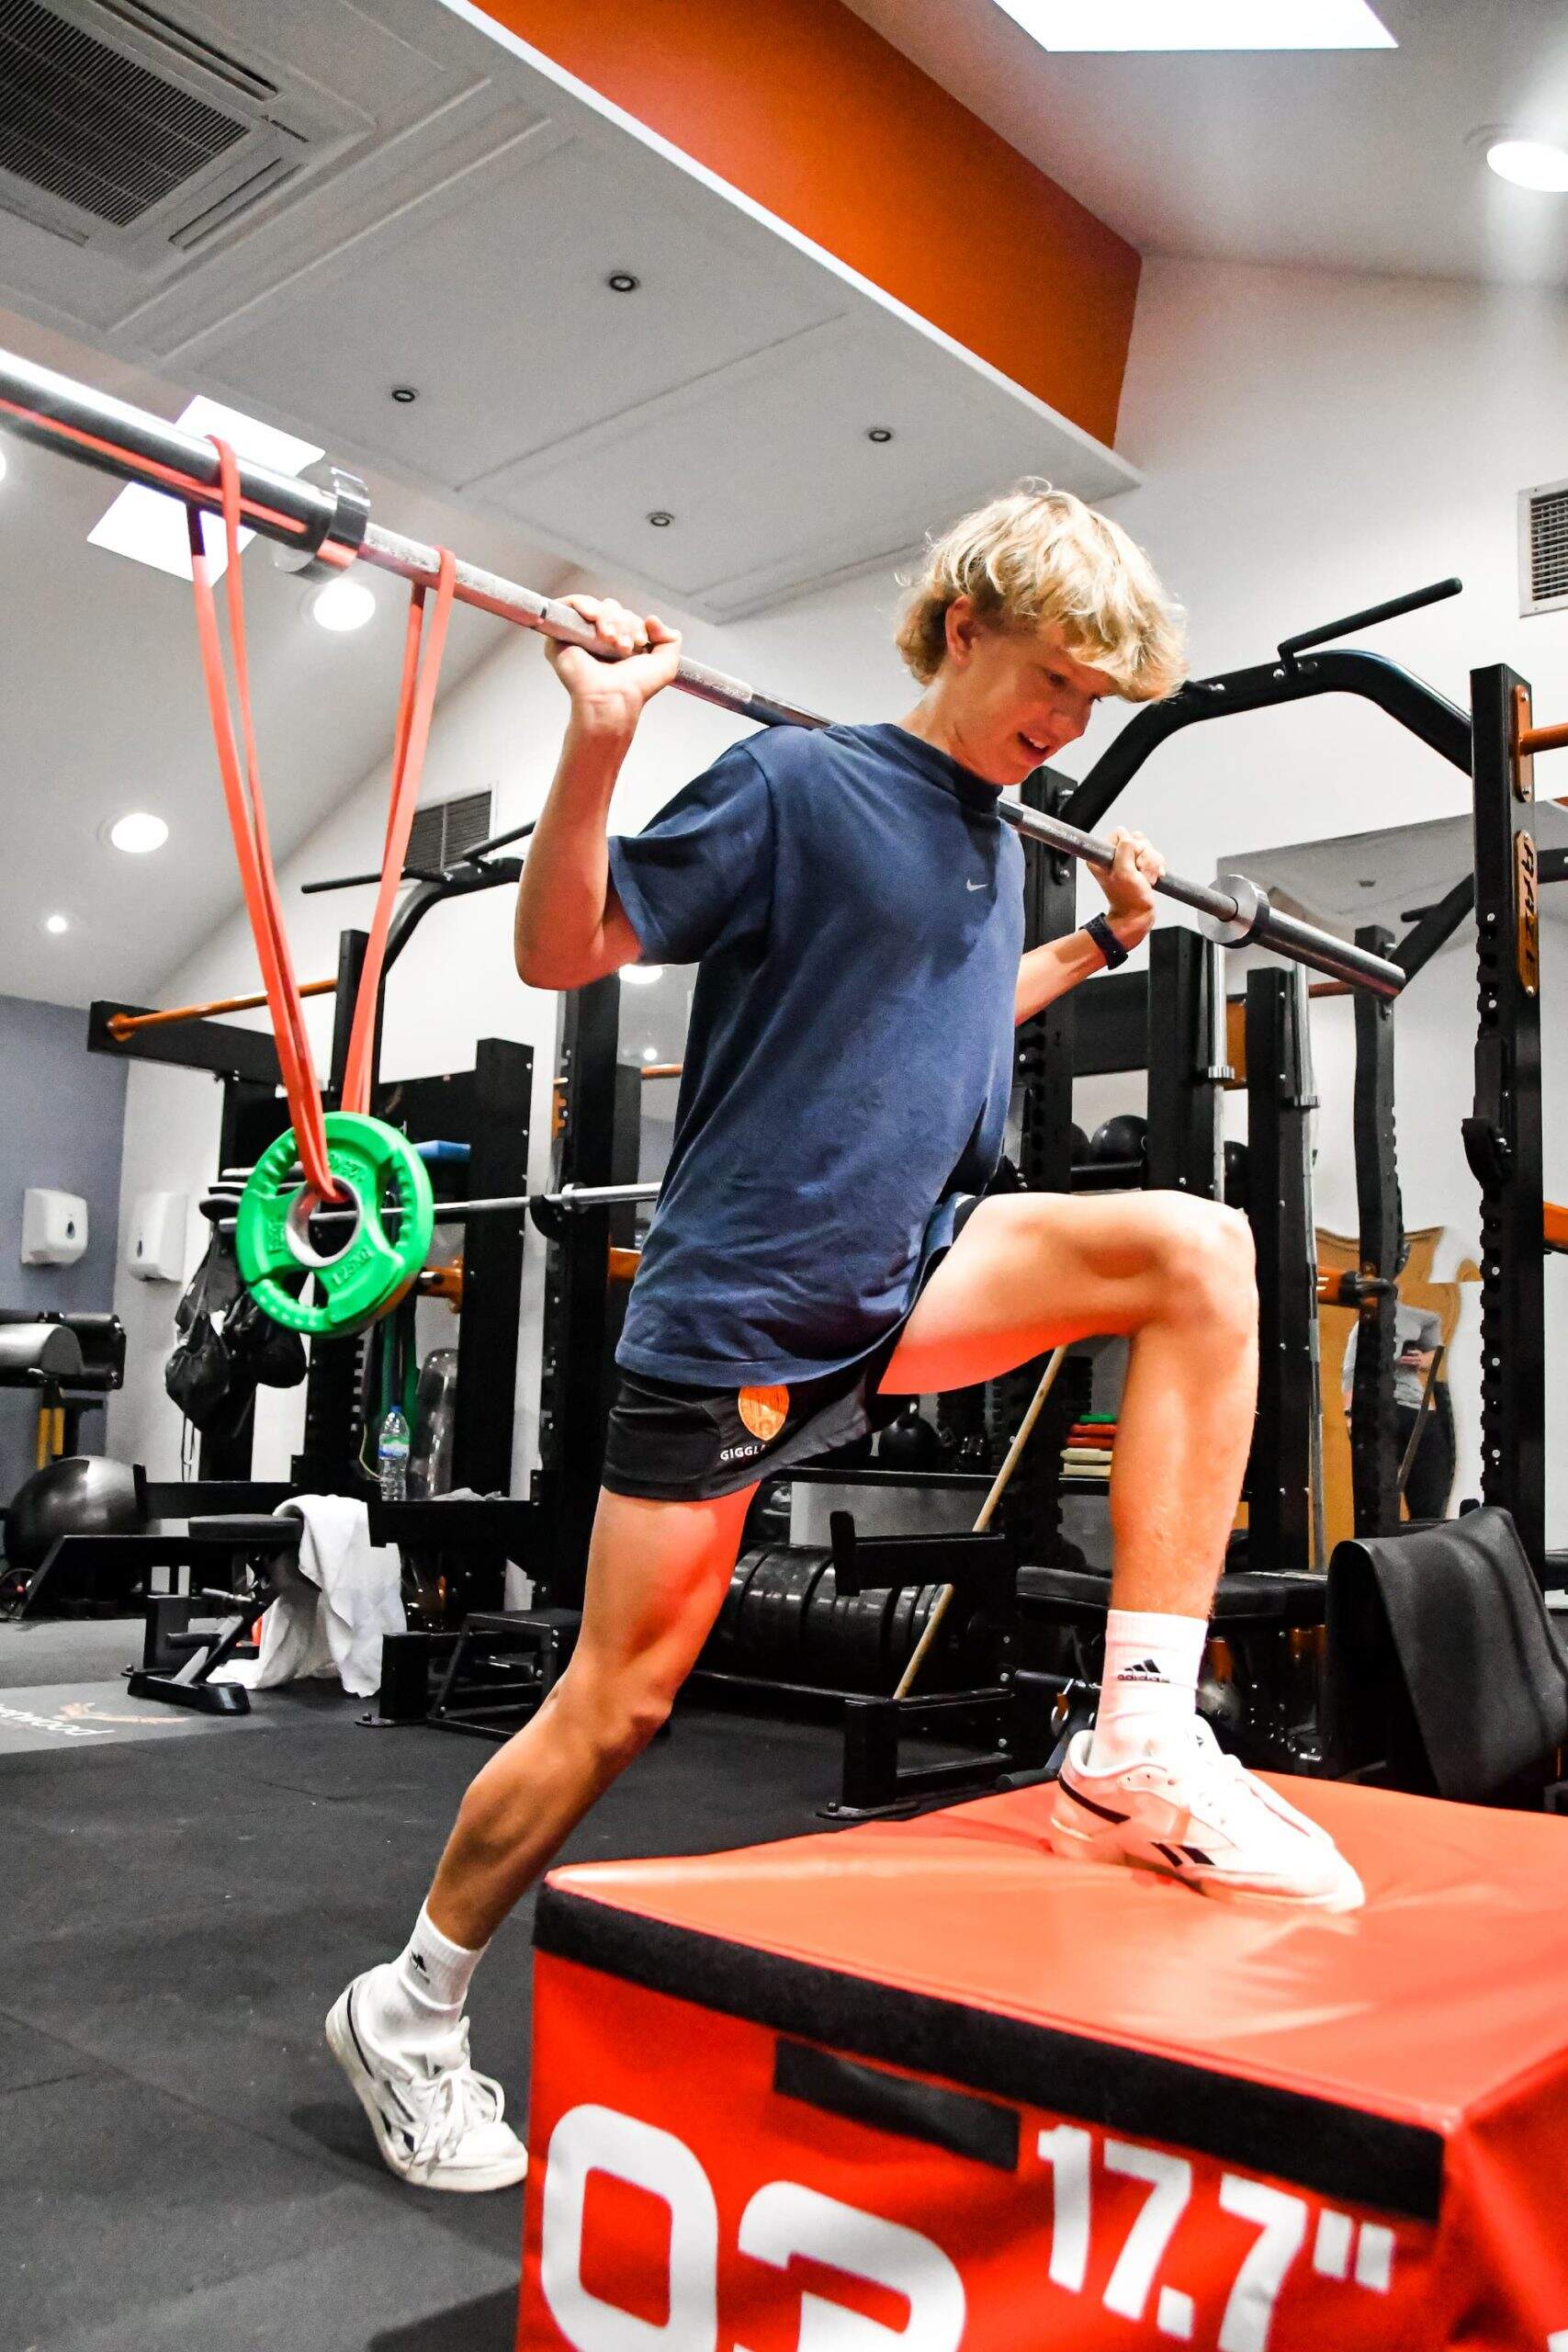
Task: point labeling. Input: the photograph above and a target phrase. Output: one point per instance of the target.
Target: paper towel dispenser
(55, 1227)
(155, 1246)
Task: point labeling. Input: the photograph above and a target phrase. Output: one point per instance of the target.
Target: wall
(64, 1114)
(1311, 445)
(812, 115)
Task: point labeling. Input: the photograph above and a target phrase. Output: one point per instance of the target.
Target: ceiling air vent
(1543, 548)
(443, 830)
(122, 129)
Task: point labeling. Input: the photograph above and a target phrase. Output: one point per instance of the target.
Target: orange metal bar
(1554, 1226)
(443, 1282)
(662, 1070)
(121, 1025)
(1544, 739)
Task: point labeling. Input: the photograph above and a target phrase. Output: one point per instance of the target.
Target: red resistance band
(247, 821)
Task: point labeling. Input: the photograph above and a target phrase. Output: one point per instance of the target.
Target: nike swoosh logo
(973, 885)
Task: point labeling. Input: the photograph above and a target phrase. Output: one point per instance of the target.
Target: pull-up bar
(326, 525)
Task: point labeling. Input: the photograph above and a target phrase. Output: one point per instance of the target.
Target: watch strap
(1105, 939)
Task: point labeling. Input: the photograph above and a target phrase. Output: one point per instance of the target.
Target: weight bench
(179, 1668)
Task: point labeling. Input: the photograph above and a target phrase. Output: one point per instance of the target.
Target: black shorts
(668, 1442)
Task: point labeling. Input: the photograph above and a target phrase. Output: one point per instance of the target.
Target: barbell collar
(1252, 908)
(331, 543)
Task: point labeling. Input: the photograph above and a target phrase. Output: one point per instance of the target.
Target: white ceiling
(1354, 160)
(459, 241)
(102, 710)
(452, 229)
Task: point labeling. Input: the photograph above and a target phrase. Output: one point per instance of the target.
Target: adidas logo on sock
(1144, 1671)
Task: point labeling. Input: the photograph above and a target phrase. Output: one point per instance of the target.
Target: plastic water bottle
(393, 1457)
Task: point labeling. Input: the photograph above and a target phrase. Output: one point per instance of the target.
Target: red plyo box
(922, 2085)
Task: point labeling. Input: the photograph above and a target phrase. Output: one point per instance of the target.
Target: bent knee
(1203, 1258)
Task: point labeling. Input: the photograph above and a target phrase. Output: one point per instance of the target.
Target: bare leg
(657, 1573)
(1175, 1276)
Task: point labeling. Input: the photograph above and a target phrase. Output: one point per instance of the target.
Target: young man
(854, 906)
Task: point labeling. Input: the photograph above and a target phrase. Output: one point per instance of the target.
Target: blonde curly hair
(1038, 557)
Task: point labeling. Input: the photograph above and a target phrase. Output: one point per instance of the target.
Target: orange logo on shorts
(764, 1411)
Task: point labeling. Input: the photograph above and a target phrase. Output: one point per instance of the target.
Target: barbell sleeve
(1236, 911)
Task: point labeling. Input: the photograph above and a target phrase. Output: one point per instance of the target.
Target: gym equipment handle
(1415, 600)
(1236, 909)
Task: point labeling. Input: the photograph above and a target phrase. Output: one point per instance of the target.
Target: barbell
(326, 525)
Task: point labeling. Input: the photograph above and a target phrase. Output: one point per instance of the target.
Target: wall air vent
(121, 130)
(443, 830)
(1543, 548)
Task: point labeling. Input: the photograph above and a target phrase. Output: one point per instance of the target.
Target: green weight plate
(361, 1271)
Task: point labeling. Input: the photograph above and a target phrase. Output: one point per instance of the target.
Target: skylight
(1093, 25)
(151, 528)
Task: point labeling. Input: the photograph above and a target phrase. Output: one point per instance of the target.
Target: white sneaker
(437, 2123)
(1197, 1816)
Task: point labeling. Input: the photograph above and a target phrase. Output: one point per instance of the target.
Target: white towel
(337, 1601)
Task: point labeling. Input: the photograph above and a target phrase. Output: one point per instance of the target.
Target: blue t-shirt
(854, 906)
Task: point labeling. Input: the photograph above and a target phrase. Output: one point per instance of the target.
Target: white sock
(418, 1998)
(1149, 1688)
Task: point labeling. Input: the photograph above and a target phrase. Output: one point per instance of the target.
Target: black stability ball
(83, 1494)
(1236, 1175)
(911, 1442)
(1126, 1137)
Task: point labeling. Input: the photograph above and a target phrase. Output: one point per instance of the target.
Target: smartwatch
(1105, 939)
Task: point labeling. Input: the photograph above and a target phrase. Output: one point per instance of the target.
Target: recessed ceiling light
(341, 605)
(1117, 25)
(879, 432)
(57, 923)
(642, 976)
(1530, 163)
(150, 528)
(621, 281)
(662, 518)
(138, 832)
(403, 394)
(650, 1053)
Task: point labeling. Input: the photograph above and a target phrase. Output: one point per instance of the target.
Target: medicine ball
(83, 1494)
(911, 1442)
(1235, 1176)
(1122, 1138)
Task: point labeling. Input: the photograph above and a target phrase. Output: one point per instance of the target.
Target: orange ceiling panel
(799, 106)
